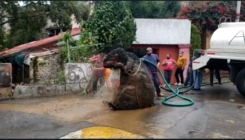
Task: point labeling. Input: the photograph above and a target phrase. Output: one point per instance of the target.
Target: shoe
(164, 85)
(197, 89)
(179, 84)
(160, 95)
(220, 83)
(211, 84)
(176, 84)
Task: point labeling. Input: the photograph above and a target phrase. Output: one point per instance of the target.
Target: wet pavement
(218, 112)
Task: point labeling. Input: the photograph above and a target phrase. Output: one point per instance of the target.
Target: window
(53, 31)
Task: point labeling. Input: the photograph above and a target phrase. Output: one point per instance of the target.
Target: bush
(113, 24)
(195, 39)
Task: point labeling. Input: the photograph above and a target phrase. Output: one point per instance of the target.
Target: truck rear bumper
(200, 62)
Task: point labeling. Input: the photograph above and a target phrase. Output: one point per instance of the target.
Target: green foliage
(61, 78)
(170, 9)
(2, 39)
(195, 39)
(111, 24)
(154, 9)
(208, 14)
(79, 51)
(28, 21)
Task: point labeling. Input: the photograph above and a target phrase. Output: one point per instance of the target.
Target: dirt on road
(216, 111)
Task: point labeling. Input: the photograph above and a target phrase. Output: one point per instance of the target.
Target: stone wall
(46, 70)
(77, 74)
(5, 74)
(5, 80)
(76, 78)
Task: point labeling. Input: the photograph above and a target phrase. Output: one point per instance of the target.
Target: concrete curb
(44, 90)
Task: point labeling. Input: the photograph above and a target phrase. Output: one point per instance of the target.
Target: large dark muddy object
(136, 88)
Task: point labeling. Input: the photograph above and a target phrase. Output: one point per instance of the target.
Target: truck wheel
(240, 82)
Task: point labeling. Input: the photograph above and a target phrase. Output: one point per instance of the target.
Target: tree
(154, 9)
(195, 39)
(207, 15)
(112, 24)
(26, 21)
(79, 50)
(170, 9)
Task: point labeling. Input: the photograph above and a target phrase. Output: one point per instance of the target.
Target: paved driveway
(218, 112)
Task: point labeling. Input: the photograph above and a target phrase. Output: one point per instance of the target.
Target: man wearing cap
(153, 69)
(98, 73)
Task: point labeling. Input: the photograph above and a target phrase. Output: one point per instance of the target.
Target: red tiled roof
(74, 31)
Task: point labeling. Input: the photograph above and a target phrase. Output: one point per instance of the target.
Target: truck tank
(229, 36)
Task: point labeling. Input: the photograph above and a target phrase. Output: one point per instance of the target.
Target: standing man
(197, 76)
(180, 64)
(189, 77)
(168, 66)
(153, 70)
(98, 74)
(217, 75)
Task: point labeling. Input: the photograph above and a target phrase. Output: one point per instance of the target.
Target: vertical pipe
(238, 9)
(23, 73)
(68, 51)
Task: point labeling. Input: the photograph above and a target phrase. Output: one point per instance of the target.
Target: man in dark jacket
(153, 69)
(217, 75)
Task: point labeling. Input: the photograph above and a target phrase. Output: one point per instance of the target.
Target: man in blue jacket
(189, 77)
(153, 70)
(197, 77)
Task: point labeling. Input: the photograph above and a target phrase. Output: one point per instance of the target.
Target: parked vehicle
(227, 52)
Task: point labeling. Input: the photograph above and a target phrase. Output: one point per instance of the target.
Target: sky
(22, 4)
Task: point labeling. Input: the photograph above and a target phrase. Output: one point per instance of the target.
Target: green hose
(176, 93)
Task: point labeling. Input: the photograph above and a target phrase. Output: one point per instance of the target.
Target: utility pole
(238, 9)
(68, 50)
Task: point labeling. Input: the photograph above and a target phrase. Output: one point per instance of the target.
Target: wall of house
(163, 31)
(162, 51)
(76, 77)
(45, 69)
(77, 73)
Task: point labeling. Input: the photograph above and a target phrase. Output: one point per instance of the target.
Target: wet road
(217, 113)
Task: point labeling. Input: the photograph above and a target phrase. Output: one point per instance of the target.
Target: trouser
(93, 82)
(197, 76)
(156, 83)
(167, 75)
(179, 72)
(217, 75)
(189, 78)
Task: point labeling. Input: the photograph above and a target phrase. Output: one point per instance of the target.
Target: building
(25, 59)
(164, 36)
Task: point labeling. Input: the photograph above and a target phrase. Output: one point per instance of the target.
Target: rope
(136, 70)
(136, 92)
(135, 85)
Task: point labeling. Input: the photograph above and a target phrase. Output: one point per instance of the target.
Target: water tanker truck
(226, 52)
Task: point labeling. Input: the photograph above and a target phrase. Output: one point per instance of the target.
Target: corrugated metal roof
(75, 31)
(28, 57)
(76, 37)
